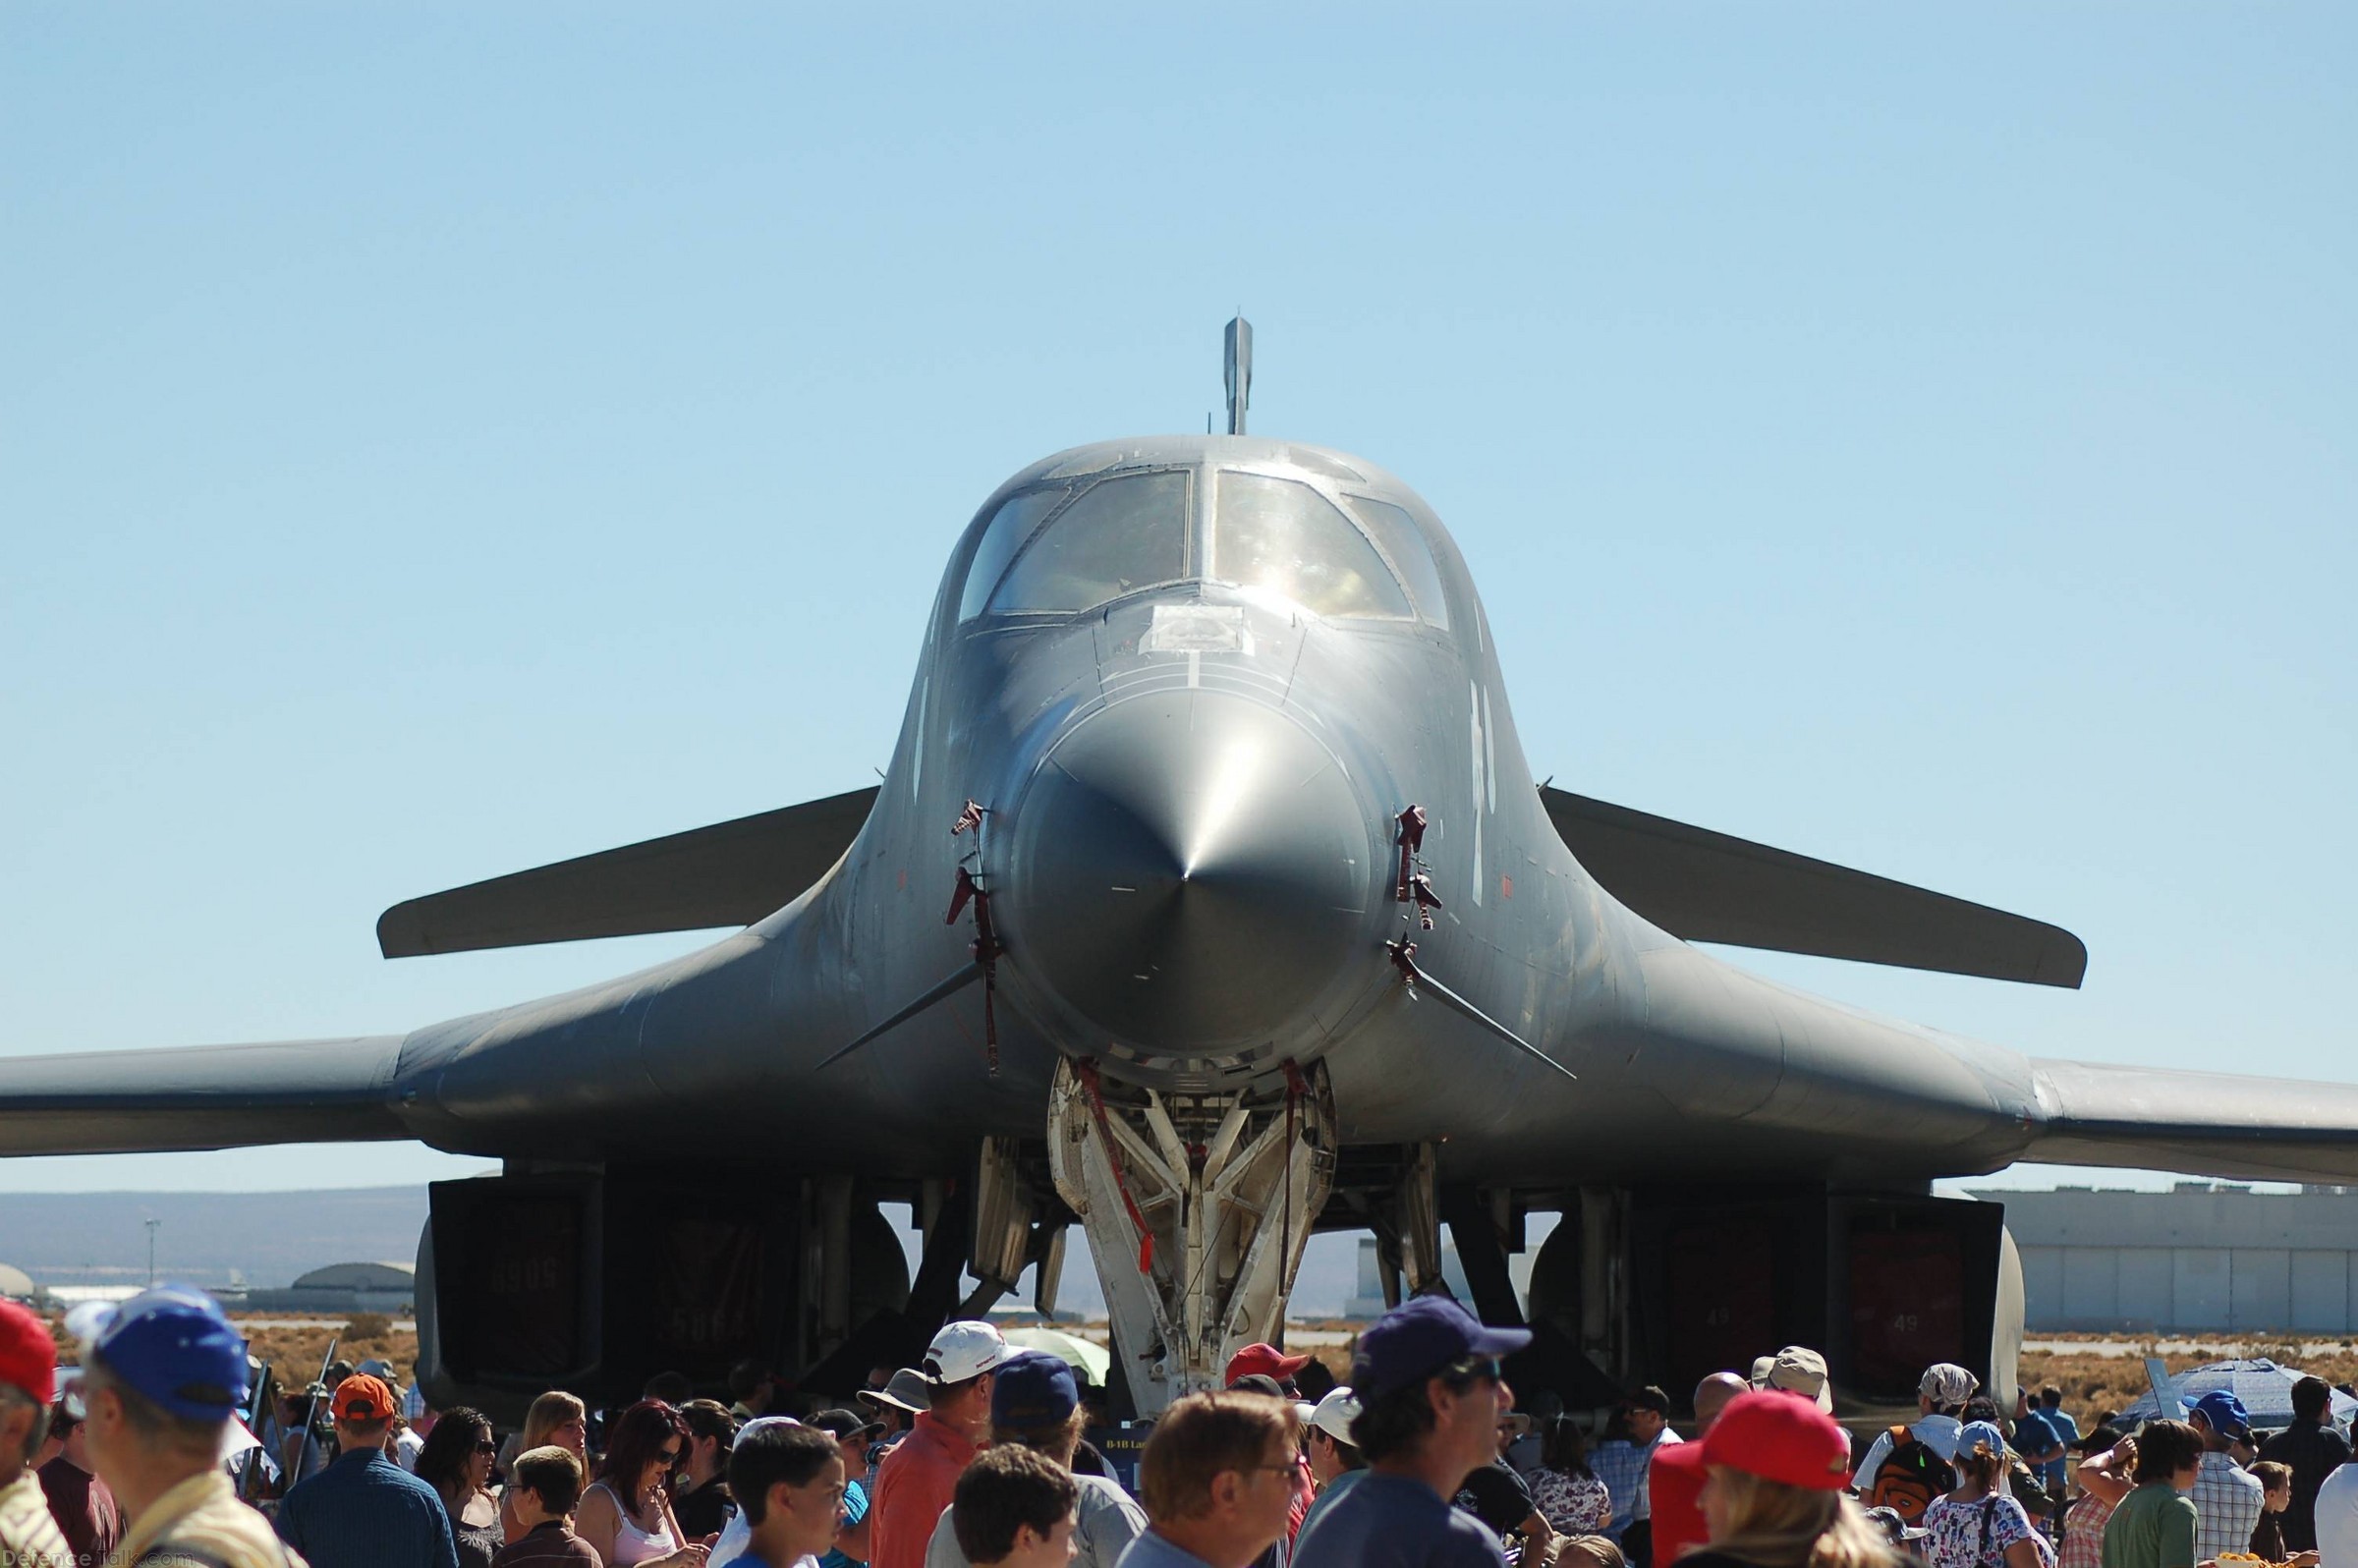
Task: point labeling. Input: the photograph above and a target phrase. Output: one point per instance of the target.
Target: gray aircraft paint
(1671, 1046)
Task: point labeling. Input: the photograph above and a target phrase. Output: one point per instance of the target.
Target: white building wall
(2321, 1291)
(2090, 1283)
(2201, 1259)
(2042, 1272)
(2198, 1286)
(2147, 1298)
(2260, 1288)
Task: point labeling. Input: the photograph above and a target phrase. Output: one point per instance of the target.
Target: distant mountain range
(267, 1240)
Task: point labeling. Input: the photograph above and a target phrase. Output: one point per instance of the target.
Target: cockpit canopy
(1064, 545)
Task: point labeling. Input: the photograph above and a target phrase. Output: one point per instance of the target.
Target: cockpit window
(1118, 535)
(1285, 538)
(1010, 525)
(1399, 537)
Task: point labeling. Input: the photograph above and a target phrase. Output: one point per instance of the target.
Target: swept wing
(1712, 888)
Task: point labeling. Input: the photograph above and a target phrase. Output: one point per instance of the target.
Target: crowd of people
(977, 1458)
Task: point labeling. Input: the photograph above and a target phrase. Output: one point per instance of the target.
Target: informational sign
(2156, 1375)
(1122, 1447)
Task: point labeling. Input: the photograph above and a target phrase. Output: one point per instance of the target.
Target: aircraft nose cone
(1192, 872)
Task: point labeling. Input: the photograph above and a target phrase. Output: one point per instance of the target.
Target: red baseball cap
(362, 1399)
(27, 1355)
(1266, 1360)
(1779, 1436)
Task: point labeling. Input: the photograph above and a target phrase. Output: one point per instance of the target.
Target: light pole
(152, 1225)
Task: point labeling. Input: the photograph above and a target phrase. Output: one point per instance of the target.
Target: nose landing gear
(1196, 1207)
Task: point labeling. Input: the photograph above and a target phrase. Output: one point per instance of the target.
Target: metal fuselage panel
(1339, 724)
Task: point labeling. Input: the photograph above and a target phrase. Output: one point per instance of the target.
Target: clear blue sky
(439, 439)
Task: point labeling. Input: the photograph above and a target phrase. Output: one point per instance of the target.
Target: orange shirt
(913, 1487)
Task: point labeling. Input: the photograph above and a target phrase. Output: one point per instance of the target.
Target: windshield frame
(1189, 523)
(1202, 478)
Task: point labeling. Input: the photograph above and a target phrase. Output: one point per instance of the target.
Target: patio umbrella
(1092, 1362)
(2265, 1388)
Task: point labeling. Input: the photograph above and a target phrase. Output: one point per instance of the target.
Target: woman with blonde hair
(556, 1420)
(1774, 1467)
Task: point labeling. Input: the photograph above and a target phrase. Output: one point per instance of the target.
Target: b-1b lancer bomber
(1207, 903)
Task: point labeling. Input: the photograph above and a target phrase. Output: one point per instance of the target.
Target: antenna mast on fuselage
(1239, 371)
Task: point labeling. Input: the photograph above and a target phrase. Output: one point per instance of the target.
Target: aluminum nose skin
(1191, 874)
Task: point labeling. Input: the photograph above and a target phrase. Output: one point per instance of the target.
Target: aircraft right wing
(731, 873)
(1710, 887)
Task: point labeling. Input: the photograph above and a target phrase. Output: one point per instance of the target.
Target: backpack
(1910, 1477)
(2029, 1488)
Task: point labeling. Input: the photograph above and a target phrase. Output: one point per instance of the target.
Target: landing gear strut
(1196, 1207)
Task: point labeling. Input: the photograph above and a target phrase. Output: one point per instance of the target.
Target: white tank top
(633, 1545)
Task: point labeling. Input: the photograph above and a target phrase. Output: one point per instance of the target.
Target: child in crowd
(1014, 1508)
(2268, 1537)
(543, 1487)
(788, 1481)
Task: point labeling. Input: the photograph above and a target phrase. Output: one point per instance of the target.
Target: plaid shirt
(2229, 1499)
(1621, 1466)
(2084, 1531)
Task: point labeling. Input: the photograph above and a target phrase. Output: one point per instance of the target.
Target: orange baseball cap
(362, 1399)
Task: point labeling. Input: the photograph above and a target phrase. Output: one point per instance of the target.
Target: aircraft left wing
(2205, 1124)
(731, 873)
(200, 1097)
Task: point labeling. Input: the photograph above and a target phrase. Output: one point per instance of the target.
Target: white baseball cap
(1335, 1413)
(963, 1350)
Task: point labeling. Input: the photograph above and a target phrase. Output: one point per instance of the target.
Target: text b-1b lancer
(1208, 902)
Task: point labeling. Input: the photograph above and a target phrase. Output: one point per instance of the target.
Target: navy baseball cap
(172, 1345)
(2224, 1413)
(1032, 1389)
(1417, 1338)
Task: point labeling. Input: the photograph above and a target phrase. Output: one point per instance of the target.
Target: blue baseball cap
(1417, 1338)
(172, 1345)
(2223, 1413)
(1981, 1434)
(1032, 1389)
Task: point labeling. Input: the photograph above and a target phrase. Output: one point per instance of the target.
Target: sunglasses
(1477, 1369)
(486, 1446)
(669, 1456)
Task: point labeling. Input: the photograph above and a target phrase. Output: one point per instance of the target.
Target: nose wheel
(1196, 1207)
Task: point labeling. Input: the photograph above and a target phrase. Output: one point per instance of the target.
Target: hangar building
(2202, 1257)
(341, 1288)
